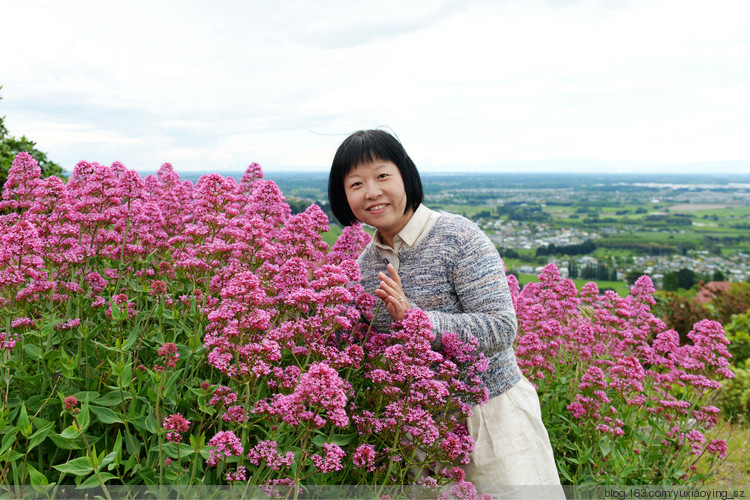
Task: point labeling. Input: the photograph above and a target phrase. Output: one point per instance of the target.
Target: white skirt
(512, 457)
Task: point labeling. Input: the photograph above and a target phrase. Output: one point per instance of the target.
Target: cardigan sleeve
(479, 281)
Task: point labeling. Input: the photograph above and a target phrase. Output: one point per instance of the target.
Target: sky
(505, 85)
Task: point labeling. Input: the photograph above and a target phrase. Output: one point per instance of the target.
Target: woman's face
(375, 192)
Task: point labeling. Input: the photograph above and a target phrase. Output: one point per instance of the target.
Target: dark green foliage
(579, 249)
(10, 146)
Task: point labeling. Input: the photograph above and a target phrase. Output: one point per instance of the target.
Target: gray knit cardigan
(457, 277)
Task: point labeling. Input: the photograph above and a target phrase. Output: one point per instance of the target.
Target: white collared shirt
(418, 227)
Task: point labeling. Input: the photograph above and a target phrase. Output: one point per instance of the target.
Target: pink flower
(235, 414)
(158, 287)
(169, 352)
(364, 457)
(266, 451)
(175, 425)
(23, 177)
(240, 474)
(8, 342)
(332, 460)
(320, 388)
(70, 402)
(253, 173)
(717, 447)
(225, 444)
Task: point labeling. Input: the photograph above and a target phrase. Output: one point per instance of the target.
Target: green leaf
(126, 375)
(93, 481)
(340, 439)
(66, 443)
(132, 464)
(40, 435)
(105, 415)
(33, 333)
(118, 446)
(107, 460)
(84, 416)
(108, 347)
(132, 338)
(184, 351)
(51, 356)
(606, 446)
(169, 386)
(117, 313)
(170, 449)
(197, 444)
(151, 425)
(8, 440)
(37, 478)
(343, 439)
(85, 396)
(24, 424)
(132, 445)
(78, 467)
(70, 432)
(33, 351)
(139, 423)
(566, 474)
(113, 398)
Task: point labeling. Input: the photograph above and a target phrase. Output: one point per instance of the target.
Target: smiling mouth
(377, 207)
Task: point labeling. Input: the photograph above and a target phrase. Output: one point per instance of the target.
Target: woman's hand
(391, 293)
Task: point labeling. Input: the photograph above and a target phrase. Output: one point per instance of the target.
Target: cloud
(462, 83)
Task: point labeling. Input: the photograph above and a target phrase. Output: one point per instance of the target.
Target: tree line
(11, 145)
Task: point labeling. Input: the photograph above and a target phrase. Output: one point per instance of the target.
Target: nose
(372, 190)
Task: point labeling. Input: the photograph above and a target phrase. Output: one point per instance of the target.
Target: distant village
(524, 235)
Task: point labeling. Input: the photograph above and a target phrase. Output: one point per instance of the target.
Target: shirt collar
(411, 231)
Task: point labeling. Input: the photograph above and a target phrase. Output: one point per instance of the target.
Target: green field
(622, 289)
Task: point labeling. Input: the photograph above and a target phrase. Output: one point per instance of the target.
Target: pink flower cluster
(331, 461)
(70, 402)
(290, 330)
(266, 452)
(168, 352)
(175, 425)
(224, 444)
(288, 348)
(626, 372)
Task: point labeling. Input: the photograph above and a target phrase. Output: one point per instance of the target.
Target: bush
(159, 332)
(735, 398)
(623, 402)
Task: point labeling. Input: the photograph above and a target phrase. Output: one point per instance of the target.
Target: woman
(445, 265)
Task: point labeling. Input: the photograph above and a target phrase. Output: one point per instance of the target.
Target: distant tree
(632, 276)
(508, 253)
(725, 303)
(10, 146)
(686, 277)
(720, 304)
(298, 205)
(573, 269)
(718, 276)
(671, 281)
(680, 312)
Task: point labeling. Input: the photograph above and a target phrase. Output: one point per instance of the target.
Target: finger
(389, 284)
(392, 290)
(394, 274)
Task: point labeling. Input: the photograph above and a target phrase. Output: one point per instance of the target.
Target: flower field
(154, 331)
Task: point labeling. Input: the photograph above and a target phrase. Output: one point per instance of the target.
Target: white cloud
(211, 86)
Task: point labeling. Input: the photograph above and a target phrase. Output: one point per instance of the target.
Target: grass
(622, 289)
(735, 470)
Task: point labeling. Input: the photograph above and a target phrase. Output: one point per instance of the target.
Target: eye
(354, 185)
(383, 176)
